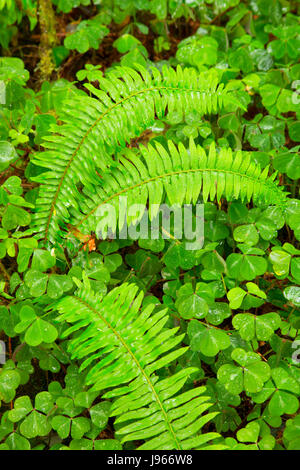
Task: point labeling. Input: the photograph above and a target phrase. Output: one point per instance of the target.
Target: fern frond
(178, 175)
(123, 346)
(127, 103)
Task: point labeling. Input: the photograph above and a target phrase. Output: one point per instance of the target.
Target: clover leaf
(34, 420)
(246, 234)
(250, 374)
(88, 35)
(291, 433)
(192, 303)
(207, 340)
(239, 298)
(37, 329)
(251, 433)
(280, 261)
(260, 327)
(8, 155)
(281, 391)
(65, 425)
(9, 381)
(245, 267)
(42, 260)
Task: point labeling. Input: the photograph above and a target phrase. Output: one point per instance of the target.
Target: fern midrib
(169, 425)
(53, 204)
(165, 175)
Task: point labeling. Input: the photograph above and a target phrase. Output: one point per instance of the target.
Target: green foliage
(88, 119)
(88, 35)
(136, 351)
(113, 343)
(150, 178)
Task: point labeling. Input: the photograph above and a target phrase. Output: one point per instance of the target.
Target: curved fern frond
(127, 103)
(123, 346)
(178, 175)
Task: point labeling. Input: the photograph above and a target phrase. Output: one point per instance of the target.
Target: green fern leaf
(126, 104)
(123, 346)
(150, 178)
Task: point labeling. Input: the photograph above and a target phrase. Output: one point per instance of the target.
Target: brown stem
(5, 273)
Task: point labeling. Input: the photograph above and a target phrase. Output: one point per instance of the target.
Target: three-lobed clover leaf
(239, 298)
(37, 329)
(67, 421)
(251, 433)
(35, 421)
(280, 391)
(193, 302)
(38, 282)
(245, 267)
(260, 327)
(88, 34)
(250, 374)
(207, 340)
(64, 425)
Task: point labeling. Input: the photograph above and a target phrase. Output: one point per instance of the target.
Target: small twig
(216, 18)
(3, 269)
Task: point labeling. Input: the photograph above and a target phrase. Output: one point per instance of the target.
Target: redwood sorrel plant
(140, 342)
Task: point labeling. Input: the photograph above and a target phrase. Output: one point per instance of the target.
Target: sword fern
(123, 346)
(126, 104)
(151, 175)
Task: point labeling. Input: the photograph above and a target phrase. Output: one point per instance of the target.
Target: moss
(48, 38)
